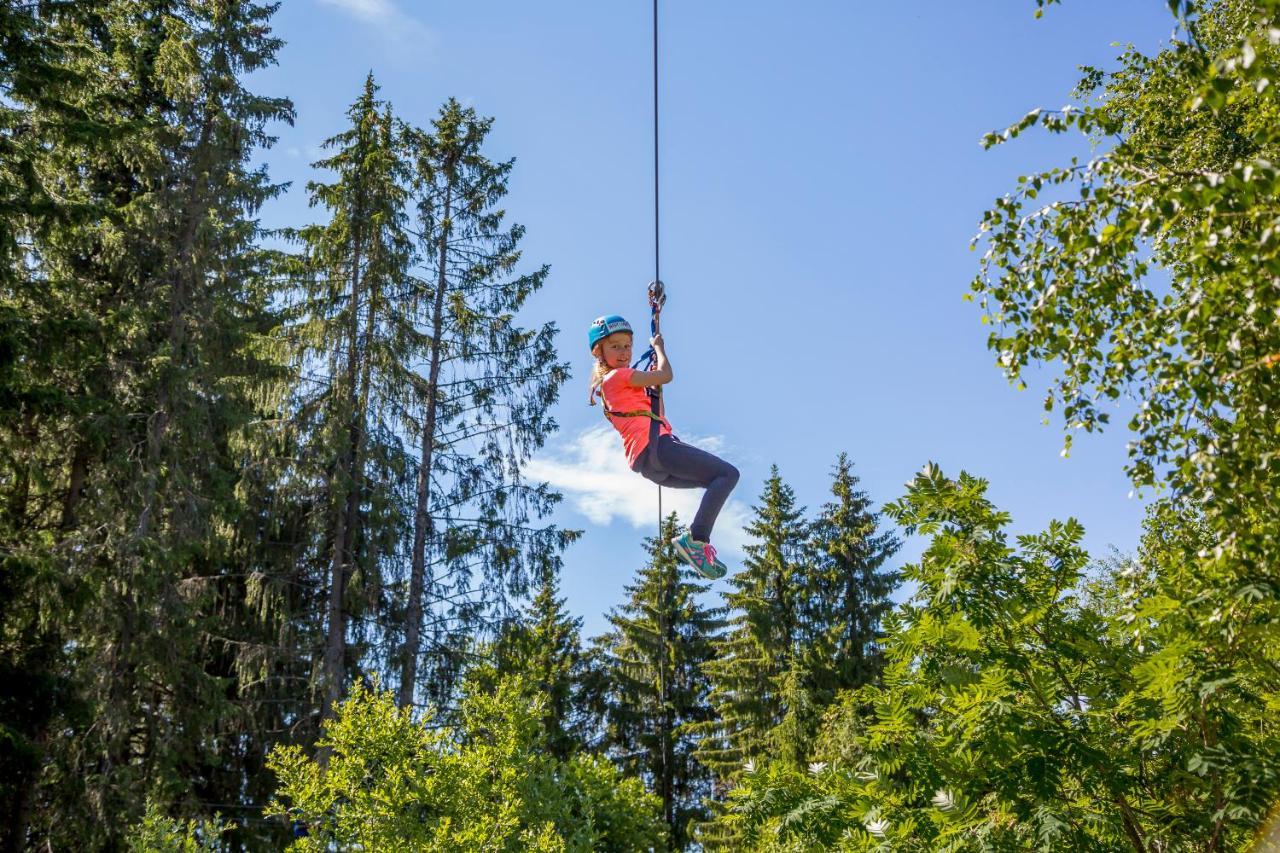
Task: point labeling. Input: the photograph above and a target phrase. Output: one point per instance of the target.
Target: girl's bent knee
(731, 474)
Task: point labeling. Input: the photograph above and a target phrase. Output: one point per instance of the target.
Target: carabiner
(657, 295)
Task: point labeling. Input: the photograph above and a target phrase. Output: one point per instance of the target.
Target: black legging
(670, 462)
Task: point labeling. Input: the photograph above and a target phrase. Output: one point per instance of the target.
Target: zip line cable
(657, 277)
(656, 238)
(656, 297)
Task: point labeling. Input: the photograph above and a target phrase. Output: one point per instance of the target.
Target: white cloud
(374, 11)
(592, 472)
(387, 17)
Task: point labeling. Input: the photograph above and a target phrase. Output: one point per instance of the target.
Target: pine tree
(144, 281)
(748, 670)
(543, 648)
(757, 666)
(790, 742)
(847, 589)
(354, 349)
(44, 107)
(480, 409)
(657, 697)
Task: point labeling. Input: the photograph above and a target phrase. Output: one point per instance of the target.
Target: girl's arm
(662, 375)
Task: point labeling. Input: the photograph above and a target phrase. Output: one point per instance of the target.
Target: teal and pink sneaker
(700, 555)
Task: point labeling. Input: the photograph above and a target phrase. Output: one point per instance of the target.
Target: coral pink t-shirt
(621, 396)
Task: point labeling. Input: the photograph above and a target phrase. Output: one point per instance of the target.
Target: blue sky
(821, 181)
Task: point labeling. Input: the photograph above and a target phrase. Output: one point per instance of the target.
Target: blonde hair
(600, 369)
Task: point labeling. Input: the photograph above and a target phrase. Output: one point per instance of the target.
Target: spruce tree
(790, 742)
(756, 669)
(353, 354)
(657, 693)
(847, 589)
(43, 109)
(477, 409)
(543, 649)
(841, 593)
(748, 670)
(143, 283)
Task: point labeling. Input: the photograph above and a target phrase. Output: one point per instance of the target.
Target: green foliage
(780, 807)
(393, 782)
(1151, 273)
(131, 301)
(752, 660)
(159, 834)
(213, 459)
(543, 648)
(1148, 272)
(482, 404)
(206, 447)
(1027, 704)
(845, 594)
(806, 617)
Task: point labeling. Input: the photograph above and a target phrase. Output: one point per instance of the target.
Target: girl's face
(616, 349)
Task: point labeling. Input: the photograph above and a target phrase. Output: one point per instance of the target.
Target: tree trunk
(158, 426)
(336, 642)
(22, 473)
(75, 486)
(422, 521)
(14, 836)
(668, 758)
(359, 423)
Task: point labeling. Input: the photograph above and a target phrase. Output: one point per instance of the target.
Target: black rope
(656, 240)
(657, 267)
(657, 288)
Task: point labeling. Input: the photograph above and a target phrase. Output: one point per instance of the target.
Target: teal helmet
(603, 327)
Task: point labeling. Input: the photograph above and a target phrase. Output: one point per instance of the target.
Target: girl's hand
(661, 376)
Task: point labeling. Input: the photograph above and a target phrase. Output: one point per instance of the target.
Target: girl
(652, 450)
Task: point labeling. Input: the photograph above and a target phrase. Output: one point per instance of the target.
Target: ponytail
(598, 372)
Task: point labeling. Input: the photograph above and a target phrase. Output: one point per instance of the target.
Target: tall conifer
(543, 647)
(147, 293)
(654, 657)
(353, 356)
(848, 588)
(44, 107)
(478, 407)
(750, 664)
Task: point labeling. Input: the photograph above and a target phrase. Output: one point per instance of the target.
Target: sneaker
(700, 555)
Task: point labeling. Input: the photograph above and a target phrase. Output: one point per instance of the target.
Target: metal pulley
(657, 296)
